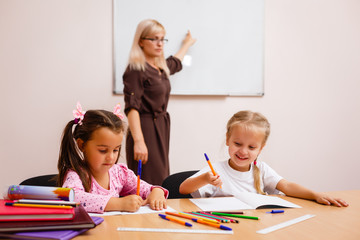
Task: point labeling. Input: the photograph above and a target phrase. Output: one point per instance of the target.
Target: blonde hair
(251, 121)
(137, 59)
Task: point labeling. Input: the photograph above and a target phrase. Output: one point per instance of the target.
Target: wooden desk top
(329, 223)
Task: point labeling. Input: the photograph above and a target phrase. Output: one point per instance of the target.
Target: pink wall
(54, 53)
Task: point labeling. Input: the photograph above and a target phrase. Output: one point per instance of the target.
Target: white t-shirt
(235, 181)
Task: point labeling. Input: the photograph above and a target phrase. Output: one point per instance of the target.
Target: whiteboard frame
(117, 73)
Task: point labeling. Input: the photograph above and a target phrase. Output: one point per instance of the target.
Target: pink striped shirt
(123, 182)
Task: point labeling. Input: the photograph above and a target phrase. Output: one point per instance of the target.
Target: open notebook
(243, 201)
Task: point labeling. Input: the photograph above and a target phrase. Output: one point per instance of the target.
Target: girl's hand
(156, 199)
(328, 200)
(140, 151)
(213, 180)
(130, 203)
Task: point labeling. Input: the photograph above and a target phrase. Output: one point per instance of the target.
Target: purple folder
(56, 234)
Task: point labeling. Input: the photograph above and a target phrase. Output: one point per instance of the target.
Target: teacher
(146, 93)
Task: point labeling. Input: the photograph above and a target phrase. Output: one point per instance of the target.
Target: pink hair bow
(117, 111)
(78, 113)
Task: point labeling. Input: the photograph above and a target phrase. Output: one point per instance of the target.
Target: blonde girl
(246, 136)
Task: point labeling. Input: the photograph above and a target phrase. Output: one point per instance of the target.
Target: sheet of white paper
(241, 202)
(255, 200)
(220, 204)
(142, 210)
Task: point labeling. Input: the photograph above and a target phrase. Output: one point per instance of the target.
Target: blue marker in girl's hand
(138, 178)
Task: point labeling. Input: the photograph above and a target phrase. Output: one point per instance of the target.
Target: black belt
(155, 115)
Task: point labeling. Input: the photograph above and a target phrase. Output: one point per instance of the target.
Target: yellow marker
(37, 205)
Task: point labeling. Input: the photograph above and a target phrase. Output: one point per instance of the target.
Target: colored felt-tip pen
(234, 215)
(221, 217)
(276, 211)
(47, 202)
(189, 216)
(210, 165)
(193, 215)
(198, 220)
(175, 220)
(36, 205)
(217, 218)
(138, 178)
(229, 212)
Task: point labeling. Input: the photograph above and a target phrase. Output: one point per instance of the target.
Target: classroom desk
(329, 223)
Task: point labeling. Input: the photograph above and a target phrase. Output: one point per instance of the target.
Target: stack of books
(36, 218)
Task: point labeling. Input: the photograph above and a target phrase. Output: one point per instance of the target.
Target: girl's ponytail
(257, 179)
(70, 159)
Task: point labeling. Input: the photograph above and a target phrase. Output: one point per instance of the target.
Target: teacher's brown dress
(148, 92)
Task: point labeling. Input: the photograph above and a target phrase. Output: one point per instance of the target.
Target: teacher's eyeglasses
(157, 41)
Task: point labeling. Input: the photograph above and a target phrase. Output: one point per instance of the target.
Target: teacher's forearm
(135, 125)
(182, 52)
(140, 148)
(186, 44)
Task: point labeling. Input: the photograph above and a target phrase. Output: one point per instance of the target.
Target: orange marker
(212, 224)
(190, 216)
(138, 179)
(211, 167)
(200, 220)
(175, 220)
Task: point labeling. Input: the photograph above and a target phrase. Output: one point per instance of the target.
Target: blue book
(54, 234)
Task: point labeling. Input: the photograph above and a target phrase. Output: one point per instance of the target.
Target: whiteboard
(228, 56)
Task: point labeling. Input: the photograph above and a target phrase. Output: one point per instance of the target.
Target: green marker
(234, 215)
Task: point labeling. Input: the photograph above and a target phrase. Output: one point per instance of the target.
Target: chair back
(172, 183)
(43, 180)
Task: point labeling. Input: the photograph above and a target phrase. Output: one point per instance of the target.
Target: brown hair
(70, 157)
(251, 121)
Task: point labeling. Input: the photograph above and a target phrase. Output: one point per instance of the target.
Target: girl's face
(102, 150)
(152, 45)
(244, 147)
